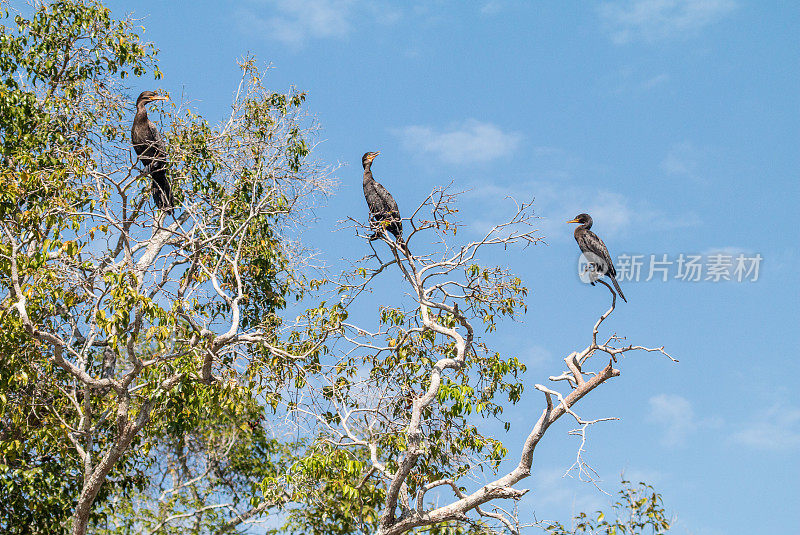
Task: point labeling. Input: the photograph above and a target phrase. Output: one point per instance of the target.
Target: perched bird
(383, 211)
(152, 151)
(595, 250)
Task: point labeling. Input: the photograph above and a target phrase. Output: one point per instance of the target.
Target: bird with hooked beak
(383, 210)
(152, 151)
(595, 250)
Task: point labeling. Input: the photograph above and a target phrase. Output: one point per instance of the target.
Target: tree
(149, 359)
(407, 402)
(639, 510)
(116, 322)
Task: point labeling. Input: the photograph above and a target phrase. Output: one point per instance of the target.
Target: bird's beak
(573, 221)
(158, 97)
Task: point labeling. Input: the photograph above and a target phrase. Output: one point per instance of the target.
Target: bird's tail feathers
(619, 290)
(162, 193)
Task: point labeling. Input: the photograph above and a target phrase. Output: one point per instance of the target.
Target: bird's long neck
(368, 172)
(582, 229)
(141, 112)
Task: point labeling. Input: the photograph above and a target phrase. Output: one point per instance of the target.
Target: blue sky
(674, 123)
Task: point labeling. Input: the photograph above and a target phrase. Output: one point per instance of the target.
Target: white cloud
(630, 80)
(469, 142)
(611, 209)
(676, 415)
(558, 197)
(614, 214)
(649, 476)
(655, 81)
(683, 160)
(492, 7)
(777, 429)
(553, 489)
(653, 20)
(294, 22)
(535, 355)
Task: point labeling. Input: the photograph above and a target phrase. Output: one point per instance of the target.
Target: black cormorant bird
(383, 209)
(595, 250)
(152, 151)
